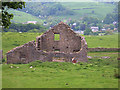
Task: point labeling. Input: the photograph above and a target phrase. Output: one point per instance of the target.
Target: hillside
(37, 11)
(94, 9)
(21, 17)
(42, 9)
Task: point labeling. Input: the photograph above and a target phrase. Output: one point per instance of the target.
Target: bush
(3, 60)
(95, 33)
(117, 75)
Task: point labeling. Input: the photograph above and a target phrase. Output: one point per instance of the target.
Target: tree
(19, 27)
(109, 19)
(82, 27)
(108, 33)
(112, 26)
(90, 20)
(6, 17)
(87, 31)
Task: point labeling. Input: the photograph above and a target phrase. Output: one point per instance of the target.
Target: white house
(34, 22)
(80, 32)
(74, 24)
(94, 29)
(114, 22)
(103, 29)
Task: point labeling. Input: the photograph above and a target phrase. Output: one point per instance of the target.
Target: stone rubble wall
(70, 45)
(22, 54)
(103, 49)
(69, 41)
(28, 53)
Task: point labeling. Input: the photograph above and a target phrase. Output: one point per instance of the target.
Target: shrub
(99, 60)
(3, 60)
(117, 75)
(81, 63)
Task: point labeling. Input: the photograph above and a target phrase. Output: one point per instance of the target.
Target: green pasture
(106, 41)
(11, 40)
(96, 73)
(22, 17)
(86, 8)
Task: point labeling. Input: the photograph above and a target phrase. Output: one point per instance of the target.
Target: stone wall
(69, 41)
(28, 53)
(22, 54)
(70, 45)
(102, 49)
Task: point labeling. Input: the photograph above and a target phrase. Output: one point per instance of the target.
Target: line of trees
(18, 27)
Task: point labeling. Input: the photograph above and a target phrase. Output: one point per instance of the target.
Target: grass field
(21, 17)
(107, 41)
(11, 40)
(86, 8)
(96, 73)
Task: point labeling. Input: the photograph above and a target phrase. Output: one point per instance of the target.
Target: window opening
(56, 37)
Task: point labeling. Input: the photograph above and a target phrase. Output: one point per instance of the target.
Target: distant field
(21, 17)
(11, 40)
(86, 8)
(96, 73)
(107, 41)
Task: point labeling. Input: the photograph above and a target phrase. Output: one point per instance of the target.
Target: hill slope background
(37, 11)
(21, 17)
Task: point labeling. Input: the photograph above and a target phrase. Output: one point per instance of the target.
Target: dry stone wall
(103, 49)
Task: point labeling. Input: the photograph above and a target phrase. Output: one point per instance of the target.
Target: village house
(33, 22)
(58, 43)
(79, 32)
(103, 29)
(94, 29)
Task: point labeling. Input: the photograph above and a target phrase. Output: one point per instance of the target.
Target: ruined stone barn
(58, 43)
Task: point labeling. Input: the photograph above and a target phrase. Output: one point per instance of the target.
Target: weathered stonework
(103, 49)
(46, 48)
